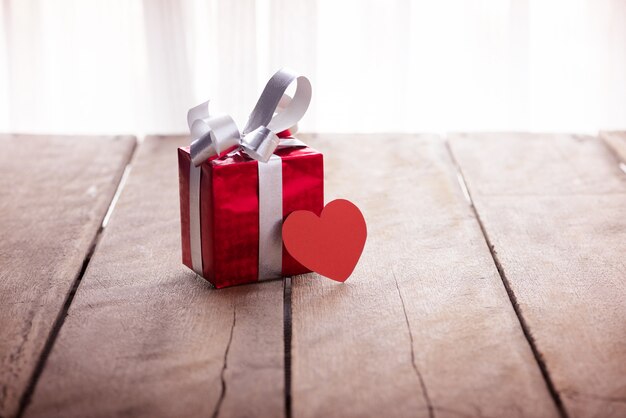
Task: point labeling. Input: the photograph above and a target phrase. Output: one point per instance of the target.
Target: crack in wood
(15, 356)
(512, 298)
(218, 406)
(431, 411)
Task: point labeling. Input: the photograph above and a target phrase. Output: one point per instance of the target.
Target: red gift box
(229, 212)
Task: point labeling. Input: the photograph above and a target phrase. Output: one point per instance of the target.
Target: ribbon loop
(264, 111)
(210, 135)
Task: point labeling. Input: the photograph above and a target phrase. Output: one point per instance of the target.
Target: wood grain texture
(553, 207)
(424, 326)
(617, 142)
(146, 337)
(54, 192)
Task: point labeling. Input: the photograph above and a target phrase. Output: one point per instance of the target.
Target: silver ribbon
(216, 135)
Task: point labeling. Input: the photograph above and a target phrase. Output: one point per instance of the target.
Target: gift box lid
(237, 156)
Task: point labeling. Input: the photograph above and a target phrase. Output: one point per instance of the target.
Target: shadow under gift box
(229, 210)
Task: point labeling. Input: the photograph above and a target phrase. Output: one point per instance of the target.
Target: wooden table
(493, 284)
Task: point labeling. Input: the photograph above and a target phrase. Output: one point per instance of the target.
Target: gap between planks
(512, 298)
(287, 341)
(60, 319)
(611, 140)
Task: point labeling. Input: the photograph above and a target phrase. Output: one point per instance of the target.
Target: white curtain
(127, 66)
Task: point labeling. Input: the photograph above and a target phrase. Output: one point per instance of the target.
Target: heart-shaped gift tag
(330, 244)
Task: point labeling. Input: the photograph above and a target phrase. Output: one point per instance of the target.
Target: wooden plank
(146, 337)
(617, 142)
(54, 192)
(424, 327)
(553, 208)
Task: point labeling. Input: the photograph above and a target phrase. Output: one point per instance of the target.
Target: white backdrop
(107, 66)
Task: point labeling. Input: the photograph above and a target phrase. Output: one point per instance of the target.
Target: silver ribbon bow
(216, 135)
(274, 112)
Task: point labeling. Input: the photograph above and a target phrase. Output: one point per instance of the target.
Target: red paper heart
(330, 244)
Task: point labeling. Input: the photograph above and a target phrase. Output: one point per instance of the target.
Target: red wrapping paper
(229, 210)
